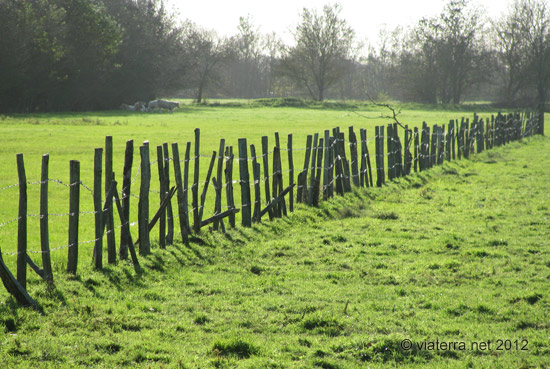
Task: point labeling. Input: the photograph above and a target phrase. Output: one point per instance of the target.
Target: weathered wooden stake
(108, 216)
(143, 204)
(169, 210)
(229, 184)
(257, 194)
(74, 212)
(265, 154)
(195, 187)
(309, 196)
(98, 245)
(290, 173)
(302, 182)
(126, 186)
(204, 191)
(162, 195)
(183, 215)
(44, 231)
(354, 159)
(218, 185)
(22, 224)
(246, 204)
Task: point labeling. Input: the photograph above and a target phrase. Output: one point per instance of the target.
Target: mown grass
(457, 253)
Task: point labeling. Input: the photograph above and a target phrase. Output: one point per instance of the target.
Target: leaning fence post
(265, 154)
(74, 212)
(204, 191)
(22, 224)
(98, 247)
(245, 184)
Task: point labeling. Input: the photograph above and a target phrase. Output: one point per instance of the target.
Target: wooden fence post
(391, 156)
(186, 164)
(44, 231)
(353, 157)
(22, 224)
(74, 212)
(290, 173)
(108, 215)
(408, 155)
(281, 205)
(181, 190)
(218, 200)
(377, 155)
(302, 179)
(229, 181)
(317, 182)
(169, 210)
(277, 210)
(416, 152)
(162, 194)
(98, 209)
(363, 176)
(245, 184)
(257, 193)
(195, 187)
(309, 194)
(345, 162)
(143, 204)
(398, 152)
(265, 154)
(326, 165)
(218, 184)
(126, 186)
(197, 226)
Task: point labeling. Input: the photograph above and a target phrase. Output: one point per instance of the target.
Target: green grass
(68, 136)
(459, 253)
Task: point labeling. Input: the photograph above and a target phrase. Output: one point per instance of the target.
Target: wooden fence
(333, 164)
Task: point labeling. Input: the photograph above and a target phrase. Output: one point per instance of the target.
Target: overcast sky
(366, 17)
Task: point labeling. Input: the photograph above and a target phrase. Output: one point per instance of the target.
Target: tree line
(96, 54)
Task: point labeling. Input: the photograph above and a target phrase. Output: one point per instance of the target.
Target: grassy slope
(68, 136)
(459, 253)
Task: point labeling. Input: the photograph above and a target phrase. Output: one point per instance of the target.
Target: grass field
(68, 136)
(459, 254)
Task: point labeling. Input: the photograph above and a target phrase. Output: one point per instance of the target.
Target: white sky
(366, 17)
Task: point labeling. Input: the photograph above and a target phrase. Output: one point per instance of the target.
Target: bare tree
(523, 43)
(323, 44)
(205, 54)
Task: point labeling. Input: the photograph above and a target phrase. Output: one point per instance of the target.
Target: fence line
(327, 169)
